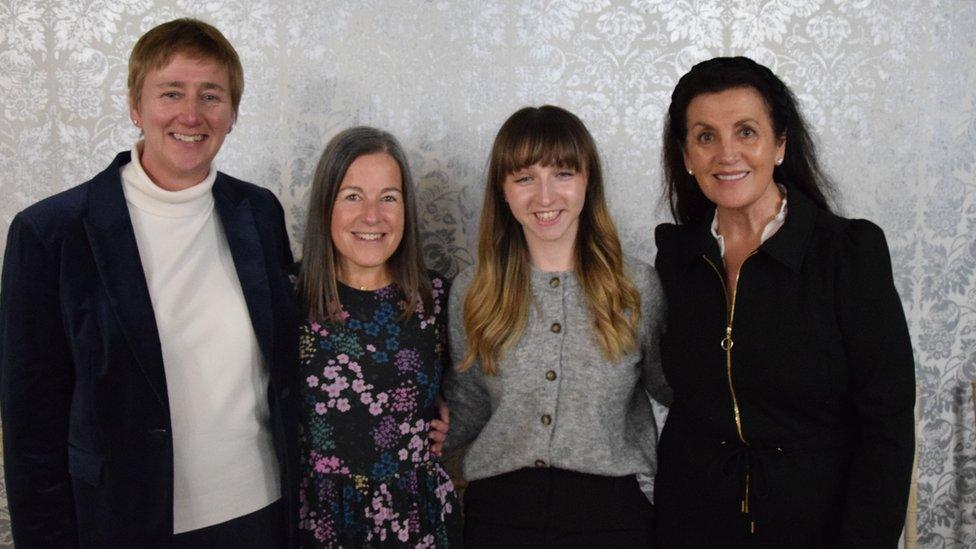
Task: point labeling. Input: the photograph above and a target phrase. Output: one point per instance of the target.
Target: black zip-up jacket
(796, 426)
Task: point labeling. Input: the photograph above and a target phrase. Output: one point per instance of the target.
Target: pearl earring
(779, 161)
(690, 172)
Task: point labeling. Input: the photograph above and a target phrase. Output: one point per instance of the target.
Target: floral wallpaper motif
(889, 87)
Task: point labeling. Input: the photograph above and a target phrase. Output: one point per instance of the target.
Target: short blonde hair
(191, 37)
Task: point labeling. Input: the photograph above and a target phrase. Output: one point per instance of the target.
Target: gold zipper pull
(727, 340)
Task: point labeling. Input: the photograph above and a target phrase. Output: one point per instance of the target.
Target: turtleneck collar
(142, 193)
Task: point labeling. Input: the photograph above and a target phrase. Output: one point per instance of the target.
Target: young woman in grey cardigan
(554, 337)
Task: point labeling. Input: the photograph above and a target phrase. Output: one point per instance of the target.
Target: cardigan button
(555, 328)
(546, 419)
(551, 375)
(554, 282)
(540, 463)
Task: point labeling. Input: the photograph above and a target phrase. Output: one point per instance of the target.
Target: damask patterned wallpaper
(890, 88)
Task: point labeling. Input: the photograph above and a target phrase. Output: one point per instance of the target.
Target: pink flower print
(404, 398)
(355, 367)
(375, 409)
(337, 387)
(403, 535)
(371, 348)
(312, 381)
(382, 397)
(330, 372)
(366, 398)
(343, 315)
(343, 358)
(404, 428)
(403, 454)
(328, 464)
(359, 385)
(437, 283)
(316, 326)
(342, 405)
(320, 408)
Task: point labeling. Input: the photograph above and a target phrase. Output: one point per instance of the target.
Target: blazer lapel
(245, 245)
(113, 245)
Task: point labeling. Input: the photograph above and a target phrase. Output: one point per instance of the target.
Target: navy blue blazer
(88, 449)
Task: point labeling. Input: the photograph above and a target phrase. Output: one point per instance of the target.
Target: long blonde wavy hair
(496, 306)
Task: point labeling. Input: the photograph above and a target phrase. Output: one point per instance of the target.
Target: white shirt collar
(768, 231)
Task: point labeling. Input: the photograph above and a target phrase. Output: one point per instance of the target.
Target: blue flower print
(385, 466)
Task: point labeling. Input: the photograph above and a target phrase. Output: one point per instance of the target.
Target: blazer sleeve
(882, 377)
(285, 256)
(36, 381)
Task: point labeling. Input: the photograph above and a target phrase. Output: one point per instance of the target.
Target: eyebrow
(360, 189)
(179, 84)
(738, 123)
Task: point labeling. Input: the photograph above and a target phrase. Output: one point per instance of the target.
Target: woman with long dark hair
(786, 347)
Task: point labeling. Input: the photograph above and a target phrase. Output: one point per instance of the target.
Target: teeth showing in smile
(369, 236)
(731, 176)
(547, 216)
(187, 138)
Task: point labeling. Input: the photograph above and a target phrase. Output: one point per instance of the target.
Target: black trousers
(265, 528)
(554, 508)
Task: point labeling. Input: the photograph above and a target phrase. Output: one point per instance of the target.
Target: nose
(190, 111)
(729, 153)
(371, 212)
(545, 191)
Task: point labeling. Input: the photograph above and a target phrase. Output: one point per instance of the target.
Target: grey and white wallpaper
(889, 87)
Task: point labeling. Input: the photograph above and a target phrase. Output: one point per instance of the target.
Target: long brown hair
(317, 277)
(496, 306)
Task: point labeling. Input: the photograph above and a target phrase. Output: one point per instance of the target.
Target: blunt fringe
(800, 169)
(317, 282)
(191, 37)
(496, 306)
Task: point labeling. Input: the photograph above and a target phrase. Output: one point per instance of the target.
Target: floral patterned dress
(369, 479)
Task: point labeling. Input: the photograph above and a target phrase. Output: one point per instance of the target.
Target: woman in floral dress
(370, 356)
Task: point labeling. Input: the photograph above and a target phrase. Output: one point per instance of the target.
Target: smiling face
(732, 149)
(367, 218)
(185, 112)
(546, 201)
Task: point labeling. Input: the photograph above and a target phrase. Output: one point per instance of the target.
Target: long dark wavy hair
(317, 277)
(799, 171)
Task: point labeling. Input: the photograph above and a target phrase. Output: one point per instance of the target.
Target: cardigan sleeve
(464, 392)
(36, 381)
(882, 383)
(653, 313)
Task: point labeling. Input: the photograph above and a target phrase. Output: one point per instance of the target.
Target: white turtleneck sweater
(223, 458)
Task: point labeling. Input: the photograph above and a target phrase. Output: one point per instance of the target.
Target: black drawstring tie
(748, 462)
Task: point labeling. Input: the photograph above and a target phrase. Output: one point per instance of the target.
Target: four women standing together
(770, 326)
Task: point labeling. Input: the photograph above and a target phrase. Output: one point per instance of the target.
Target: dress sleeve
(653, 314)
(882, 377)
(464, 391)
(36, 381)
